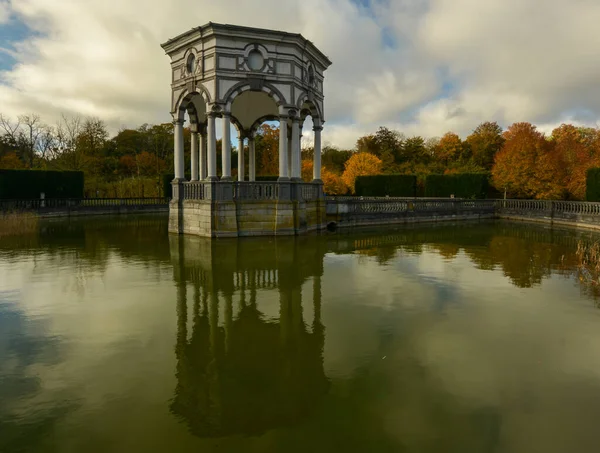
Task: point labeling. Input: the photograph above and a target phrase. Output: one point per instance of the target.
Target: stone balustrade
(578, 213)
(253, 190)
(256, 191)
(351, 211)
(194, 190)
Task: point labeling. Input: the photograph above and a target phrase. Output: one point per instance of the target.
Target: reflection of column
(226, 148)
(253, 289)
(213, 319)
(285, 315)
(295, 148)
(283, 149)
(194, 153)
(317, 301)
(228, 319)
(212, 147)
(297, 320)
(317, 153)
(242, 296)
(241, 162)
(178, 151)
(251, 160)
(181, 316)
(196, 308)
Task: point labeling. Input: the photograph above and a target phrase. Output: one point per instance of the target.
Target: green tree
(485, 141)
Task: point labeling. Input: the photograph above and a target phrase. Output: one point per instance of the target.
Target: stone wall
(366, 211)
(240, 218)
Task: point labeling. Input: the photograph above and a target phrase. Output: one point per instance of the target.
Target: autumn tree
(307, 170)
(485, 141)
(150, 165)
(451, 149)
(267, 150)
(333, 183)
(573, 154)
(524, 165)
(360, 164)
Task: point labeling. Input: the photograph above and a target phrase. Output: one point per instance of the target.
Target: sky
(423, 67)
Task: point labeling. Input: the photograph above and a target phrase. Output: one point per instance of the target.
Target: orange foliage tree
(150, 165)
(451, 149)
(526, 166)
(333, 183)
(307, 170)
(573, 154)
(360, 164)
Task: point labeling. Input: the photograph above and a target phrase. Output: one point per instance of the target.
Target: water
(116, 337)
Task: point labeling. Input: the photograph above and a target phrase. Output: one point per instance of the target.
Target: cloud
(420, 66)
(4, 12)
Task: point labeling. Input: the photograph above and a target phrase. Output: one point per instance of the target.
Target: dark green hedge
(592, 188)
(267, 178)
(462, 185)
(28, 184)
(167, 187)
(382, 185)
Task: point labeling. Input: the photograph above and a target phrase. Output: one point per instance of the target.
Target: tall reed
(18, 222)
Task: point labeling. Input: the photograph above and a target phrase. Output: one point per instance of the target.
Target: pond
(473, 337)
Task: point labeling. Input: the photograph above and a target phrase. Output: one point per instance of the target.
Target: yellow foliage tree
(332, 183)
(360, 164)
(307, 170)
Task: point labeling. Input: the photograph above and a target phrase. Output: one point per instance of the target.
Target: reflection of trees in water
(245, 374)
(85, 246)
(526, 253)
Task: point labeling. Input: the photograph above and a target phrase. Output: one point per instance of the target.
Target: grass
(16, 223)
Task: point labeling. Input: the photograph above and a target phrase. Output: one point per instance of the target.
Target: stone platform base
(212, 218)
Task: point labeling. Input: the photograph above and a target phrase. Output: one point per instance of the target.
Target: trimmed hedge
(167, 187)
(267, 178)
(592, 186)
(462, 185)
(28, 184)
(382, 185)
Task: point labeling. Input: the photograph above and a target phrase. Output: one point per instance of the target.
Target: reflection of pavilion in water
(244, 373)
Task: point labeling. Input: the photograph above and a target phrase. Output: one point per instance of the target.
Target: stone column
(203, 162)
(283, 149)
(300, 148)
(241, 162)
(178, 152)
(212, 148)
(194, 152)
(295, 149)
(290, 148)
(226, 150)
(251, 159)
(317, 154)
